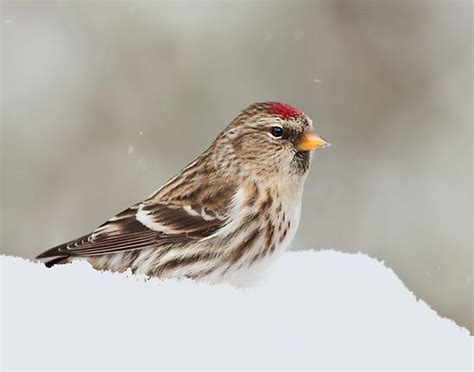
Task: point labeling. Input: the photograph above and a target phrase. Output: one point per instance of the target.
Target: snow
(312, 309)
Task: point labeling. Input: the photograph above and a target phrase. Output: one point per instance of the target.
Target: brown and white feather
(228, 211)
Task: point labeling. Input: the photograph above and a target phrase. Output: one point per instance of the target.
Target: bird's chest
(261, 227)
(278, 215)
(286, 218)
(275, 231)
(288, 223)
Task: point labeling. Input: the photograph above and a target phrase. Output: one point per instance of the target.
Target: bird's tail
(58, 260)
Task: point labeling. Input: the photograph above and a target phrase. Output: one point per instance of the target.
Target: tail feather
(53, 256)
(59, 260)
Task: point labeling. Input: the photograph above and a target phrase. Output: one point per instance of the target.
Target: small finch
(224, 215)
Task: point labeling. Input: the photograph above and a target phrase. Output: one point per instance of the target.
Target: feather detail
(154, 224)
(230, 209)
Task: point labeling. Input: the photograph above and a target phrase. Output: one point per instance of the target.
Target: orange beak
(311, 141)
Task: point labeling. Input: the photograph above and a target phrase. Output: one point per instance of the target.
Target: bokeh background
(102, 102)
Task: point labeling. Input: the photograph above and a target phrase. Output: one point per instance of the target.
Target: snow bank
(314, 310)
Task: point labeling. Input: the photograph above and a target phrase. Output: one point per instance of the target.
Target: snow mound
(313, 310)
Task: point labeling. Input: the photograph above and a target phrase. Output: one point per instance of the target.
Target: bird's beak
(311, 141)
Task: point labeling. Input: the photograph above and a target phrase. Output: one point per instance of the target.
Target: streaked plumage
(228, 211)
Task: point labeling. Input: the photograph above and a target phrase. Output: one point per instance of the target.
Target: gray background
(102, 102)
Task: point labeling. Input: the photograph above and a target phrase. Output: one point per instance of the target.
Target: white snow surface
(312, 309)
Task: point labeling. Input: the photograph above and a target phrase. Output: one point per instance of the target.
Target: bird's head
(270, 138)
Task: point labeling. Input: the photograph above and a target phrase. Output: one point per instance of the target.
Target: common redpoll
(230, 210)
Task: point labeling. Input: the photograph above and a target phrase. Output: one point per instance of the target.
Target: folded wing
(153, 223)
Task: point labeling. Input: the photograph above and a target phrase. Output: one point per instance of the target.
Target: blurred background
(96, 97)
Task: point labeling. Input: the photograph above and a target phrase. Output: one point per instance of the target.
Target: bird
(226, 215)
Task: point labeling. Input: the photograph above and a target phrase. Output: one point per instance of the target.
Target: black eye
(277, 131)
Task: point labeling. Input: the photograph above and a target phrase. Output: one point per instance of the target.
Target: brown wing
(158, 221)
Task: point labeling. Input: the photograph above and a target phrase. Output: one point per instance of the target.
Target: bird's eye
(277, 131)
